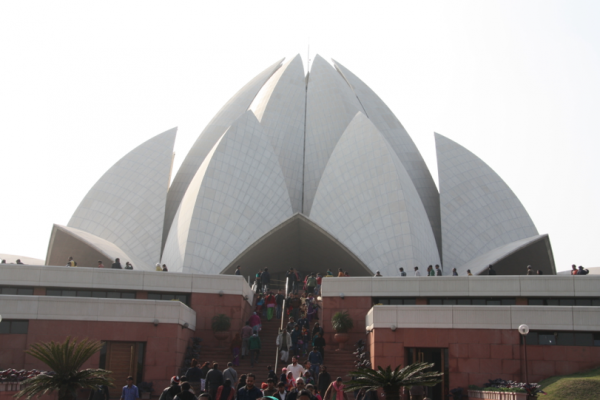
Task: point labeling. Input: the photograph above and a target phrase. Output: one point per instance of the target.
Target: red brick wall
(357, 307)
(208, 305)
(476, 355)
(11, 351)
(165, 344)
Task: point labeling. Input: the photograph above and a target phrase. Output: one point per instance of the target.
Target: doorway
(439, 358)
(123, 359)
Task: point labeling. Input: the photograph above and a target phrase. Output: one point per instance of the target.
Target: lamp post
(524, 330)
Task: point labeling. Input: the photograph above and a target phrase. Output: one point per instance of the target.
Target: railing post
(287, 280)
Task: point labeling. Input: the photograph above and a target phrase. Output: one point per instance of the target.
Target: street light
(524, 330)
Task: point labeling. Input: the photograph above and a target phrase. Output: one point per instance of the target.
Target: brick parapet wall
(476, 355)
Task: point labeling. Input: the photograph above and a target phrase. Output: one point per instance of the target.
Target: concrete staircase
(338, 363)
(268, 337)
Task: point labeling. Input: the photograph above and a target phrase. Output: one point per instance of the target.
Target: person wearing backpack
(170, 392)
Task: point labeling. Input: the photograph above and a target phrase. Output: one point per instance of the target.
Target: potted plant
(145, 389)
(342, 323)
(393, 380)
(220, 326)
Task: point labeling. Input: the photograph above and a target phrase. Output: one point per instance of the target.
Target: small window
(546, 339)
(69, 293)
(84, 293)
(567, 302)
(9, 290)
(113, 295)
(584, 339)
(14, 326)
(19, 326)
(509, 302)
(478, 302)
(583, 302)
(25, 291)
(535, 302)
(532, 338)
(153, 296)
(53, 292)
(463, 302)
(565, 339)
(596, 339)
(596, 302)
(552, 302)
(449, 301)
(493, 302)
(410, 302)
(127, 295)
(435, 301)
(393, 302)
(99, 294)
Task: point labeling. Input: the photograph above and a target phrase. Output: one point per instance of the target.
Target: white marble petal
(127, 204)
(330, 106)
(279, 106)
(234, 108)
(479, 264)
(479, 211)
(238, 195)
(406, 150)
(367, 200)
(90, 243)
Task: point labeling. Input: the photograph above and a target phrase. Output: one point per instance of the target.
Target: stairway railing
(287, 280)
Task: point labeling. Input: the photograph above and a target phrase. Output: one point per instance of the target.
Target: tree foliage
(392, 380)
(65, 360)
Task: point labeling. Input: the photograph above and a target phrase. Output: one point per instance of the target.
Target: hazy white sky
(515, 82)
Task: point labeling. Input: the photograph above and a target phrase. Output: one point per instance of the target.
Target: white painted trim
(95, 309)
(463, 286)
(116, 279)
(557, 318)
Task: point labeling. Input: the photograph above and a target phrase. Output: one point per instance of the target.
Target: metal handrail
(287, 280)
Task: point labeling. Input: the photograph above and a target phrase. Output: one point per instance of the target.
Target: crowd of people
(209, 383)
(115, 265)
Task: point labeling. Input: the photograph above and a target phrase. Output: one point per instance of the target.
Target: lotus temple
(307, 170)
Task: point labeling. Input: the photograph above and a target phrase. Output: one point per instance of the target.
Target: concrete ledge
(463, 286)
(554, 318)
(107, 278)
(93, 309)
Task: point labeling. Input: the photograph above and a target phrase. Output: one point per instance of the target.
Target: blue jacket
(315, 357)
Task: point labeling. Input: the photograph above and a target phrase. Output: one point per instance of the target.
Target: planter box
(488, 395)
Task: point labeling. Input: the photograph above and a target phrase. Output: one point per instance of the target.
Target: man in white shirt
(296, 369)
(417, 273)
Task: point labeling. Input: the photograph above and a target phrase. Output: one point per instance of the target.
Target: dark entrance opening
(301, 244)
(439, 358)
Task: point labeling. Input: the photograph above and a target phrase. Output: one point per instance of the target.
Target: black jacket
(278, 397)
(324, 382)
(214, 379)
(117, 265)
(100, 393)
(186, 395)
(293, 395)
(170, 392)
(265, 278)
(194, 374)
(252, 394)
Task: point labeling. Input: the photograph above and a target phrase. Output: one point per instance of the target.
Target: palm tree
(65, 360)
(392, 380)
